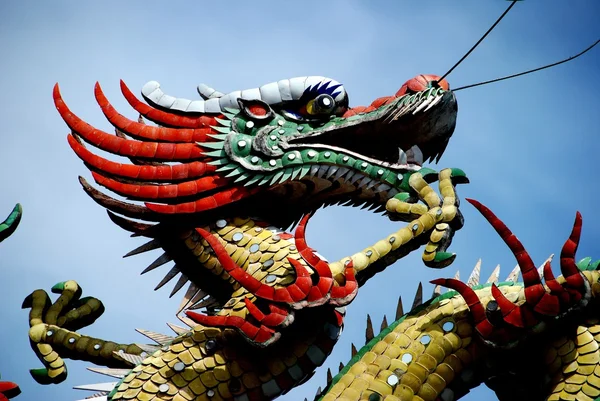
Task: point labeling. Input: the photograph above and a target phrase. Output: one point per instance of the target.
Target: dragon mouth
(401, 136)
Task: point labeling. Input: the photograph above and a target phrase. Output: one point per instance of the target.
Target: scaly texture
(276, 153)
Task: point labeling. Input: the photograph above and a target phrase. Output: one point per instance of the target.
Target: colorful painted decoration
(262, 309)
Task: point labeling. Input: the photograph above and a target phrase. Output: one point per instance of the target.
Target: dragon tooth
(352, 179)
(435, 101)
(314, 170)
(340, 173)
(322, 171)
(402, 157)
(364, 182)
(383, 188)
(423, 104)
(331, 171)
(415, 155)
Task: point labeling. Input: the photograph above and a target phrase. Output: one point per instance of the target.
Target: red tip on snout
(420, 83)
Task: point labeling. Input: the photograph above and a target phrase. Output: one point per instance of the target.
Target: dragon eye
(322, 104)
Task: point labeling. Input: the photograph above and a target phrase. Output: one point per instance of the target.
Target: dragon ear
(256, 110)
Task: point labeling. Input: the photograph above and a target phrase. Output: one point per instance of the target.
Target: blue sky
(529, 145)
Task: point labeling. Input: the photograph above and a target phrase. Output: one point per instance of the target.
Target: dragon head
(283, 149)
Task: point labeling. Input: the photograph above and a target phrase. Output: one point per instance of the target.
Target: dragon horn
(568, 266)
(468, 295)
(162, 117)
(534, 290)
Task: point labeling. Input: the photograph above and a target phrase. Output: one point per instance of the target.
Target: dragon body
(526, 341)
(216, 183)
(221, 178)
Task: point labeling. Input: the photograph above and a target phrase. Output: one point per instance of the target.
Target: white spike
(437, 291)
(457, 275)
(148, 348)
(494, 276)
(189, 294)
(187, 321)
(177, 329)
(436, 101)
(98, 397)
(116, 373)
(514, 274)
(158, 338)
(474, 277)
(541, 268)
(97, 387)
(132, 359)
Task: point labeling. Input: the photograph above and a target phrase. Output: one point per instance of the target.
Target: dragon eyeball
(322, 104)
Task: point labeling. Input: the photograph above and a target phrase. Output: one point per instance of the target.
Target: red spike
(568, 266)
(468, 295)
(313, 260)
(163, 191)
(140, 172)
(343, 295)
(210, 202)
(164, 118)
(555, 287)
(531, 278)
(518, 316)
(143, 131)
(124, 147)
(251, 284)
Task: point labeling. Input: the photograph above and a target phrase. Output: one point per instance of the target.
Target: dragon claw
(50, 324)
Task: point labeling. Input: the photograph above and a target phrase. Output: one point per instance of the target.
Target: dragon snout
(422, 82)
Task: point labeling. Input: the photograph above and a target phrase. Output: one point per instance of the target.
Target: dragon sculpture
(214, 184)
(10, 390)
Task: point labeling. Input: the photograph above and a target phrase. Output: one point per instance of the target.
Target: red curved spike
(534, 289)
(313, 260)
(568, 266)
(343, 295)
(260, 334)
(518, 316)
(554, 285)
(165, 172)
(143, 131)
(468, 295)
(210, 202)
(164, 118)
(163, 191)
(274, 318)
(159, 151)
(251, 284)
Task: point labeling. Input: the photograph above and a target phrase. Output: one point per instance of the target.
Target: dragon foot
(437, 215)
(53, 335)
